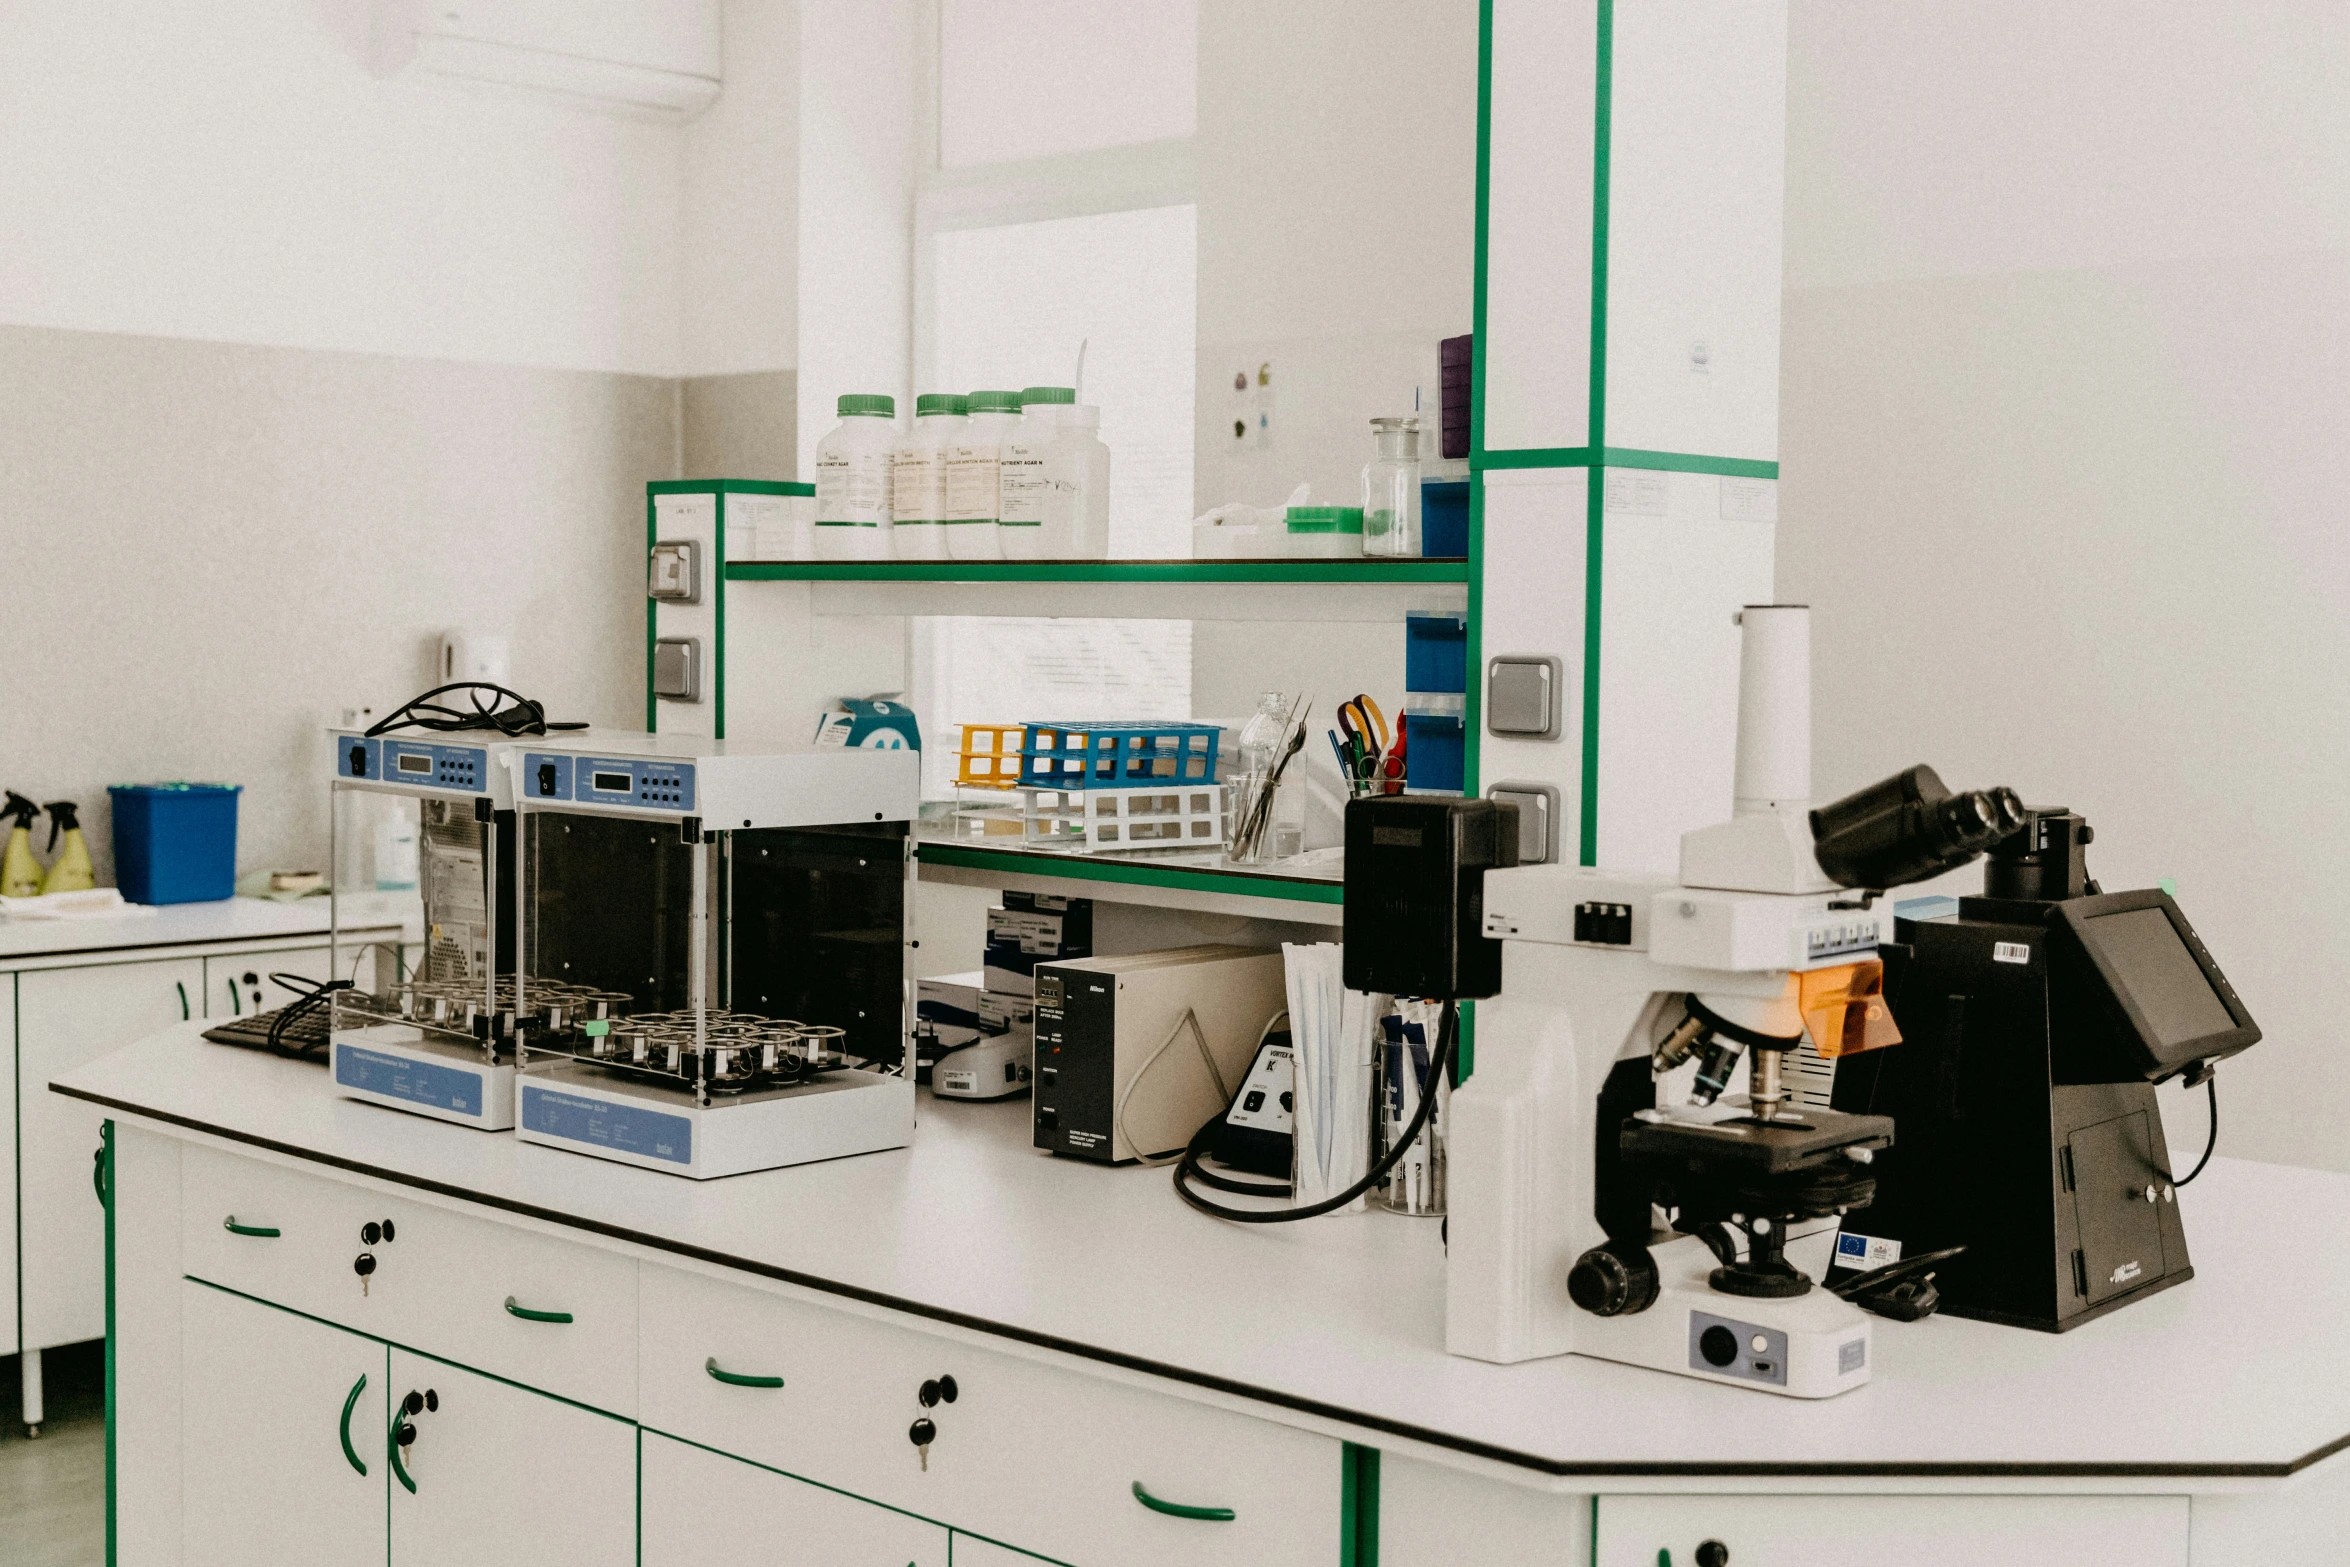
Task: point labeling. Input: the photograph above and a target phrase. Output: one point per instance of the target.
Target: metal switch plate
(1538, 818)
(1523, 695)
(674, 574)
(677, 669)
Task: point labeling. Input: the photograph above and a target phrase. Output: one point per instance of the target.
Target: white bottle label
(852, 487)
(1022, 485)
(918, 484)
(971, 482)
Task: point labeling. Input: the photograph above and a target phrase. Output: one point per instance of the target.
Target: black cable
(526, 715)
(309, 997)
(2211, 1085)
(1448, 1037)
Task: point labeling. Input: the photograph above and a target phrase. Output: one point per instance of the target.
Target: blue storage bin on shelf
(1435, 651)
(1435, 752)
(175, 842)
(1444, 518)
(1109, 755)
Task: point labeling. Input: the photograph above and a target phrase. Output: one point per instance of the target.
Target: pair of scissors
(1366, 757)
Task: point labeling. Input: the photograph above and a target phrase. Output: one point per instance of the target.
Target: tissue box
(1030, 929)
(958, 1009)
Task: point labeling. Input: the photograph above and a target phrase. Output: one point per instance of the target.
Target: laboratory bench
(738, 1366)
(72, 990)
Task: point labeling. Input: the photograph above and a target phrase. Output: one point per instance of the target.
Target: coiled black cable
(525, 715)
(1187, 1169)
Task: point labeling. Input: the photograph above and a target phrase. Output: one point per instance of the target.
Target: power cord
(1215, 1074)
(1188, 1168)
(511, 714)
(2211, 1087)
(309, 997)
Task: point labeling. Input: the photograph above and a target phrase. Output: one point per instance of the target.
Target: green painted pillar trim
(106, 1165)
(1595, 517)
(1358, 1506)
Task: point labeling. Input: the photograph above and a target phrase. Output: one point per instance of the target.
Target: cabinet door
(10, 1341)
(282, 1437)
(701, 1507)
(505, 1475)
(1915, 1531)
(65, 1017)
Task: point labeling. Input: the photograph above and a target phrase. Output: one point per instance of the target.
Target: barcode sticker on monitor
(2011, 952)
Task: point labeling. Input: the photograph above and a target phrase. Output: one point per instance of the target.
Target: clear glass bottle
(1391, 489)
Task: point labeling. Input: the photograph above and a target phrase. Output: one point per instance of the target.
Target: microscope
(2040, 1016)
(1613, 1192)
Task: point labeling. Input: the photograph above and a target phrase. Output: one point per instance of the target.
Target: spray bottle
(70, 871)
(20, 873)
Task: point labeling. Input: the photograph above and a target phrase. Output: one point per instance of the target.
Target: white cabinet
(504, 1475)
(282, 1423)
(701, 1507)
(1915, 1531)
(65, 1017)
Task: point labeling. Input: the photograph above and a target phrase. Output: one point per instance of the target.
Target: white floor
(53, 1490)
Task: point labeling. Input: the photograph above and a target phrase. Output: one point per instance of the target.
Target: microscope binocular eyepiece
(1909, 828)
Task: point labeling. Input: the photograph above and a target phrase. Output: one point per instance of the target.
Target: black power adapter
(1415, 894)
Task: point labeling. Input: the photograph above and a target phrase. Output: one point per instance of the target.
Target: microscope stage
(1796, 1142)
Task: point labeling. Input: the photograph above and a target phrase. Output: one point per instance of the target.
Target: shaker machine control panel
(417, 764)
(628, 783)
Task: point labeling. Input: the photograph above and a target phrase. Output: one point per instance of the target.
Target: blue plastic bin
(1435, 651)
(1444, 518)
(1435, 753)
(175, 842)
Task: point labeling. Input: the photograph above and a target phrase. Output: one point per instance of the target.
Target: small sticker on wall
(1632, 494)
(1750, 500)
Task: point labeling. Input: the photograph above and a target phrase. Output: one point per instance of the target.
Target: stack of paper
(1334, 1032)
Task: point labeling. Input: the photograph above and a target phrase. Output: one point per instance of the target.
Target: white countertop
(191, 924)
(2236, 1375)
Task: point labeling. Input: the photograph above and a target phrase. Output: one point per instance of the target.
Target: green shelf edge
(1329, 571)
(1244, 884)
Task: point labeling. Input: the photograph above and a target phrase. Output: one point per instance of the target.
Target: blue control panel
(418, 764)
(639, 783)
(418, 1082)
(635, 1129)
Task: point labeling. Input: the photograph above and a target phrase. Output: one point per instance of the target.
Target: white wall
(2066, 397)
(867, 123)
(298, 368)
(231, 171)
(1337, 170)
(739, 232)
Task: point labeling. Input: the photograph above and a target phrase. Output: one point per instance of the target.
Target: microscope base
(1813, 1346)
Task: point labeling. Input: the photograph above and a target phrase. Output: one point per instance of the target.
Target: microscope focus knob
(1610, 1282)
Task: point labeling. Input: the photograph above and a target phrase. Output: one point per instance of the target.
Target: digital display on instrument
(2149, 961)
(615, 783)
(415, 764)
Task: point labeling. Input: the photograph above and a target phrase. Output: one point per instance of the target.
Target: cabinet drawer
(1031, 1455)
(1916, 1531)
(440, 1285)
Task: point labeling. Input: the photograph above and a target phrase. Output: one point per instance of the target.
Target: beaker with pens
(1367, 758)
(1407, 1037)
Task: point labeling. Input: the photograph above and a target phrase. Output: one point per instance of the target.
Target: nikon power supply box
(1100, 1026)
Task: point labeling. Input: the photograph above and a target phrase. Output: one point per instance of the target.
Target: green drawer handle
(350, 1404)
(182, 988)
(231, 1225)
(98, 1175)
(392, 1447)
(528, 1315)
(736, 1378)
(1178, 1510)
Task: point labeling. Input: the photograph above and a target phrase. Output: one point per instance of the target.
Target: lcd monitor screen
(2162, 983)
